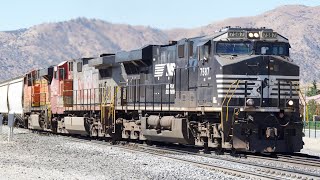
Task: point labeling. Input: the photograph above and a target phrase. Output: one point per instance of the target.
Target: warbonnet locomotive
(236, 89)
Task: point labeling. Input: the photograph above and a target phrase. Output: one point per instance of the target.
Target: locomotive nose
(266, 79)
(260, 65)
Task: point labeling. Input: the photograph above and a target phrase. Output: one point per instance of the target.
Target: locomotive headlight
(290, 102)
(256, 35)
(250, 102)
(250, 35)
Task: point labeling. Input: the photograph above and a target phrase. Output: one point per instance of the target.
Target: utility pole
(305, 105)
(10, 124)
(1, 122)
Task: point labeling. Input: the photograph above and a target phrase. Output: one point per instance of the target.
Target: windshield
(264, 48)
(234, 47)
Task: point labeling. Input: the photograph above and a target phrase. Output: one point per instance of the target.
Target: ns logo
(168, 68)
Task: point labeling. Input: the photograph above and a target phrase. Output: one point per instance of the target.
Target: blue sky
(165, 14)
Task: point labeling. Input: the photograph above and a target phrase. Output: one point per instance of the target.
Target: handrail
(104, 101)
(237, 81)
(305, 101)
(228, 92)
(112, 108)
(227, 115)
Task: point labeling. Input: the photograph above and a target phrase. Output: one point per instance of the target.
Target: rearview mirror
(204, 52)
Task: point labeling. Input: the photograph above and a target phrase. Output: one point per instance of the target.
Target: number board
(236, 34)
(269, 35)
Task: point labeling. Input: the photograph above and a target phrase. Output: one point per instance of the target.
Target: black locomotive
(236, 89)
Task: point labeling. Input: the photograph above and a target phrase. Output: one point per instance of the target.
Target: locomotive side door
(186, 75)
(205, 84)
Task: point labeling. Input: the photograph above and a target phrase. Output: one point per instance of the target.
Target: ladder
(232, 89)
(104, 101)
(110, 107)
(112, 110)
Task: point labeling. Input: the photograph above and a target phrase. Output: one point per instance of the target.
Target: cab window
(204, 52)
(280, 49)
(234, 48)
(61, 74)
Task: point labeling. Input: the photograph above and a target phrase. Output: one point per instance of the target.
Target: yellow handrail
(305, 101)
(104, 102)
(112, 111)
(227, 115)
(228, 92)
(237, 81)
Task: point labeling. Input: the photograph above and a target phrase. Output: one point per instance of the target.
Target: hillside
(50, 43)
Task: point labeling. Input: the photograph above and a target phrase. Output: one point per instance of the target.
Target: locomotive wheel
(234, 153)
(219, 151)
(205, 147)
(113, 142)
(149, 143)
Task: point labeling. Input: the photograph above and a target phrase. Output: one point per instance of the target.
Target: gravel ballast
(37, 156)
(34, 156)
(311, 146)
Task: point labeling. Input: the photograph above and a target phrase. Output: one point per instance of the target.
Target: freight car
(237, 89)
(11, 94)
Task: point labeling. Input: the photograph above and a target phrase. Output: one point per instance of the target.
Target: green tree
(312, 108)
(313, 90)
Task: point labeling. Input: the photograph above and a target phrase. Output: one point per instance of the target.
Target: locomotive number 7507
(204, 71)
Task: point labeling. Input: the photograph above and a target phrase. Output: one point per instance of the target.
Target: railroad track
(207, 161)
(293, 160)
(272, 172)
(301, 160)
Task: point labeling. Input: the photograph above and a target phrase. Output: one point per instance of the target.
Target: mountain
(50, 43)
